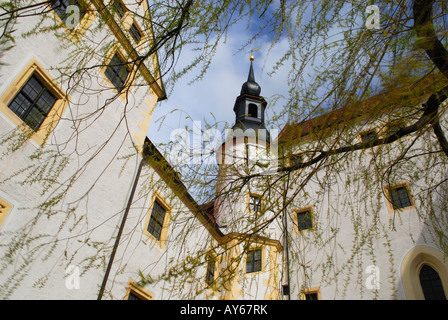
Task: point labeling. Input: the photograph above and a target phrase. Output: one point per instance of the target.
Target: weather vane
(252, 58)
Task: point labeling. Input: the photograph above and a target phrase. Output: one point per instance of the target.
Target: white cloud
(216, 92)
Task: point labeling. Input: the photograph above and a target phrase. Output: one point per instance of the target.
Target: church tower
(250, 107)
(244, 151)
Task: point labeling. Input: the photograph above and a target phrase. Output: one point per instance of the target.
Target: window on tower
(253, 110)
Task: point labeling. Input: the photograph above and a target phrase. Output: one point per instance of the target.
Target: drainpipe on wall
(286, 282)
(146, 155)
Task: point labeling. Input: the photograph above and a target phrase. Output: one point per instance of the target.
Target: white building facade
(91, 209)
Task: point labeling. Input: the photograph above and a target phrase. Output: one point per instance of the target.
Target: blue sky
(216, 92)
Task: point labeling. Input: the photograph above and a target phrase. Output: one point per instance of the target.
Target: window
(210, 274)
(296, 159)
(310, 294)
(156, 219)
(60, 7)
(33, 103)
(369, 136)
(119, 8)
(400, 197)
(431, 284)
(253, 110)
(255, 203)
(134, 292)
(117, 72)
(424, 273)
(304, 220)
(253, 261)
(135, 33)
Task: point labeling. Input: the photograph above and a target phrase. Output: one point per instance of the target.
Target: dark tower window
(431, 284)
(253, 110)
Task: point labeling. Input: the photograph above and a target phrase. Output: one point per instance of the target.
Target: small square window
(60, 7)
(253, 110)
(311, 296)
(135, 292)
(400, 197)
(253, 261)
(369, 136)
(255, 203)
(117, 72)
(33, 103)
(156, 219)
(304, 220)
(296, 159)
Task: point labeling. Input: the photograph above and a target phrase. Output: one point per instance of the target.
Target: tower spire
(250, 106)
(251, 87)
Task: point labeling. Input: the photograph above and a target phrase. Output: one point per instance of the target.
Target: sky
(217, 91)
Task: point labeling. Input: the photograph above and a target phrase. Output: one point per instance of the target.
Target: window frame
(374, 131)
(124, 66)
(308, 291)
(428, 265)
(113, 7)
(262, 260)
(387, 193)
(411, 266)
(295, 219)
(261, 204)
(34, 68)
(138, 29)
(139, 292)
(166, 220)
(84, 23)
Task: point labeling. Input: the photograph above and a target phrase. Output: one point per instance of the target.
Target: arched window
(424, 274)
(431, 284)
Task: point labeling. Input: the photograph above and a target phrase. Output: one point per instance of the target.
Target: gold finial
(252, 58)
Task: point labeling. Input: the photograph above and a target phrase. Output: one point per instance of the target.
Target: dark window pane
(253, 110)
(400, 198)
(304, 220)
(311, 296)
(117, 72)
(210, 275)
(431, 284)
(156, 220)
(253, 261)
(33, 103)
(255, 203)
(119, 8)
(135, 33)
(133, 296)
(369, 137)
(60, 7)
